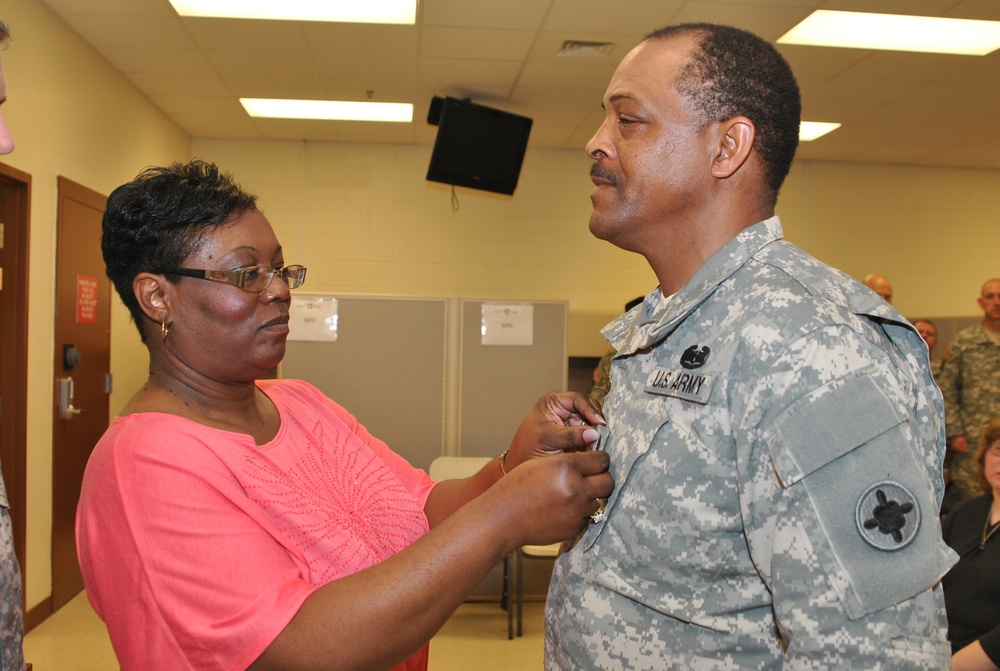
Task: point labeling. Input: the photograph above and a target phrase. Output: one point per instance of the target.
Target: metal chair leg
(520, 588)
(510, 606)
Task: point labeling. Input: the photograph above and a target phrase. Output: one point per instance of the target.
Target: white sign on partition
(508, 324)
(313, 318)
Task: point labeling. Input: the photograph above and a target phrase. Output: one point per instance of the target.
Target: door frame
(14, 380)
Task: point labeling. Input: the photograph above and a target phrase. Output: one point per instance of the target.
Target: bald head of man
(881, 285)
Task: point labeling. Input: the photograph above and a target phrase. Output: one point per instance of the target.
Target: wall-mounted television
(477, 146)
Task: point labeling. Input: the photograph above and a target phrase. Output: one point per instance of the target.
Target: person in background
(928, 331)
(970, 383)
(774, 431)
(6, 141)
(881, 285)
(602, 373)
(972, 587)
(231, 522)
(11, 618)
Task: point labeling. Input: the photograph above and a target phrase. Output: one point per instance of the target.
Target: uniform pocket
(673, 528)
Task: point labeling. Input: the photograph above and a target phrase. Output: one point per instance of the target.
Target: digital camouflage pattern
(11, 626)
(970, 383)
(776, 442)
(602, 377)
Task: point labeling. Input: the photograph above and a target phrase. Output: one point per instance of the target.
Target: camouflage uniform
(970, 383)
(11, 626)
(602, 377)
(774, 435)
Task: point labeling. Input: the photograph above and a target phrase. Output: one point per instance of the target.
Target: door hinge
(107, 383)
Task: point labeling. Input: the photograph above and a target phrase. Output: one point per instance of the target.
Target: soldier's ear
(734, 145)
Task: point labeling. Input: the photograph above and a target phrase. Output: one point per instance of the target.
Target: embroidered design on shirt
(888, 516)
(679, 383)
(695, 357)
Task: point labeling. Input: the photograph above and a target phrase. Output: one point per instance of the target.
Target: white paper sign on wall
(313, 318)
(508, 324)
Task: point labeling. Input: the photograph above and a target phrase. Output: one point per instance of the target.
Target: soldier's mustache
(597, 171)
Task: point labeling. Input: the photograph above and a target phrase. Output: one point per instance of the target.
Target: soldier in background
(602, 373)
(928, 331)
(774, 432)
(970, 383)
(881, 285)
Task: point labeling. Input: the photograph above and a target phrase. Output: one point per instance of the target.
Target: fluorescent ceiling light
(810, 130)
(893, 32)
(347, 11)
(336, 110)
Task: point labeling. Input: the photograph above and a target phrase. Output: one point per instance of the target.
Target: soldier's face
(990, 300)
(651, 156)
(928, 333)
(6, 141)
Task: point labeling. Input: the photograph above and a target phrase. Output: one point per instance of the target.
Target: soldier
(928, 331)
(881, 285)
(970, 382)
(774, 432)
(11, 624)
(602, 373)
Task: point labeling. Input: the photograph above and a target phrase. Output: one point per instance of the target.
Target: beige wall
(932, 231)
(72, 115)
(365, 220)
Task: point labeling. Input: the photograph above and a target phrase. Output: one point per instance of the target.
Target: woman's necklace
(988, 530)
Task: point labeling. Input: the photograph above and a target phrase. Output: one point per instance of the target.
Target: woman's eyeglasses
(253, 279)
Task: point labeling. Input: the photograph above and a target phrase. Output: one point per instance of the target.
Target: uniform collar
(630, 332)
(647, 324)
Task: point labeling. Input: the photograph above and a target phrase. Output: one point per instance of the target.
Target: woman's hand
(549, 500)
(558, 422)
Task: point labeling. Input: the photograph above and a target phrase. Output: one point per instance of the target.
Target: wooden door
(82, 369)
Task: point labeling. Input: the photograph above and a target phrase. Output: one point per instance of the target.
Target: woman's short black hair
(158, 219)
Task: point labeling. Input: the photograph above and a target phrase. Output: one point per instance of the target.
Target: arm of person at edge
(972, 658)
(557, 422)
(378, 617)
(950, 384)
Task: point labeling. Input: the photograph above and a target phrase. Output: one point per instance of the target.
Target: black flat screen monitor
(478, 147)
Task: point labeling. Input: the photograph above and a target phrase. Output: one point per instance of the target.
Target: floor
(475, 637)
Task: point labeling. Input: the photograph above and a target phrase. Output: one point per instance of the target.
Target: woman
(972, 587)
(227, 522)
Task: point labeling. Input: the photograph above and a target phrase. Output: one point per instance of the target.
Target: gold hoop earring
(164, 329)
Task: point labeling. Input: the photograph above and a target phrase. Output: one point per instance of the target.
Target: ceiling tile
(895, 107)
(478, 43)
(621, 16)
(509, 14)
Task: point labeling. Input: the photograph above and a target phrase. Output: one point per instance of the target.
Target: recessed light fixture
(895, 32)
(365, 11)
(585, 49)
(810, 130)
(330, 110)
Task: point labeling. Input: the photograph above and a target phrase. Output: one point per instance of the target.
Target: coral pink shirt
(198, 546)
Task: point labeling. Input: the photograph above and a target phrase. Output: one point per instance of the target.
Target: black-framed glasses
(253, 279)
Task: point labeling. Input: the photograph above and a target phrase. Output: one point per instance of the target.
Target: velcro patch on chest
(680, 384)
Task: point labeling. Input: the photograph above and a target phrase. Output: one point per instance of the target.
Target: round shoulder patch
(888, 516)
